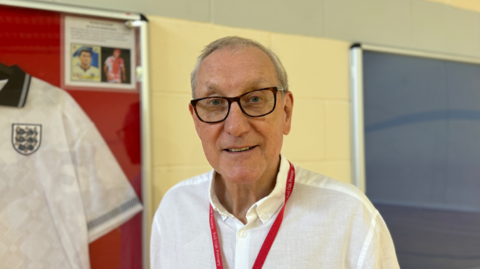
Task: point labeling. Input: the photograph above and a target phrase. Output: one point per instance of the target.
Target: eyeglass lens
(254, 104)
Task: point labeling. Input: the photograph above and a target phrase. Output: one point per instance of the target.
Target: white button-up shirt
(327, 224)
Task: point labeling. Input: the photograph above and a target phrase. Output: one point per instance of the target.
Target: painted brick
(338, 142)
(306, 140)
(473, 5)
(317, 68)
(175, 46)
(174, 139)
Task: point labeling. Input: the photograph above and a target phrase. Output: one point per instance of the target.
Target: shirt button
(264, 217)
(243, 234)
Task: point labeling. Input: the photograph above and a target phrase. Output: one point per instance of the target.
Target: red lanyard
(267, 244)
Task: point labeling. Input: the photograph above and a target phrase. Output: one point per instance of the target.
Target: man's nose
(237, 122)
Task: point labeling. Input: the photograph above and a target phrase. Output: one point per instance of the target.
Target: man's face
(116, 53)
(85, 59)
(232, 72)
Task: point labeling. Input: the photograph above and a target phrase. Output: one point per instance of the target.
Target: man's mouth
(240, 149)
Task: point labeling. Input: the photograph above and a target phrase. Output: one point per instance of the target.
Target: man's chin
(241, 174)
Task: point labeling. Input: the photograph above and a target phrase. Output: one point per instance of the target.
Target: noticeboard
(416, 126)
(51, 45)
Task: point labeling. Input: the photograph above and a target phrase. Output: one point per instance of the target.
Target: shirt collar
(14, 92)
(266, 207)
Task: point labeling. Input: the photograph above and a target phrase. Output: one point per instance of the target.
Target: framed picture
(98, 54)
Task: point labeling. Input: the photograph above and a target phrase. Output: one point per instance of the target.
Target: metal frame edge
(356, 91)
(147, 215)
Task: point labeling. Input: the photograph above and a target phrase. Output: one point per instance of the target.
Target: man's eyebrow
(213, 88)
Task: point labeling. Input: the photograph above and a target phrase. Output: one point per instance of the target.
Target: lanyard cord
(272, 234)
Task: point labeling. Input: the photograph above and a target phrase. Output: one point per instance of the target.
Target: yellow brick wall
(318, 73)
(473, 5)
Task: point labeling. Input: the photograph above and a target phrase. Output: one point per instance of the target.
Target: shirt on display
(60, 186)
(115, 66)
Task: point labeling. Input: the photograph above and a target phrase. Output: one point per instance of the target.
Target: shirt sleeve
(107, 196)
(378, 251)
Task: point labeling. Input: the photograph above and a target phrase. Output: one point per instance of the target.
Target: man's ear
(194, 116)
(288, 112)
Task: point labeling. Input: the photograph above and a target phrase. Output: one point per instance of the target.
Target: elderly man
(255, 208)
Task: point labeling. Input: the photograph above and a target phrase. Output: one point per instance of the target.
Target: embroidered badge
(26, 138)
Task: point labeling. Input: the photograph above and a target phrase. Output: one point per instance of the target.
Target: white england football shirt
(60, 186)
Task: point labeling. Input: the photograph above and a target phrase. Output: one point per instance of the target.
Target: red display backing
(31, 39)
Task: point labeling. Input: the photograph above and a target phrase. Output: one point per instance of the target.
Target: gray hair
(239, 42)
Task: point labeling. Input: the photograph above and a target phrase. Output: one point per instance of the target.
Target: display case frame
(132, 20)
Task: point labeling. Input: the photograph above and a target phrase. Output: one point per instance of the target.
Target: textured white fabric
(67, 193)
(327, 224)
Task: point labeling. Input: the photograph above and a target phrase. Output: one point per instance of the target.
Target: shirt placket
(242, 246)
(243, 259)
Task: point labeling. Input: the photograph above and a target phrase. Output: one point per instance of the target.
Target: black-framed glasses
(257, 103)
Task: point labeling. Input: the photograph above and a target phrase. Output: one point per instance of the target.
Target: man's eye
(215, 102)
(255, 99)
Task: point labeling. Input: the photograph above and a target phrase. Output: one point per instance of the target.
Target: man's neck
(238, 198)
